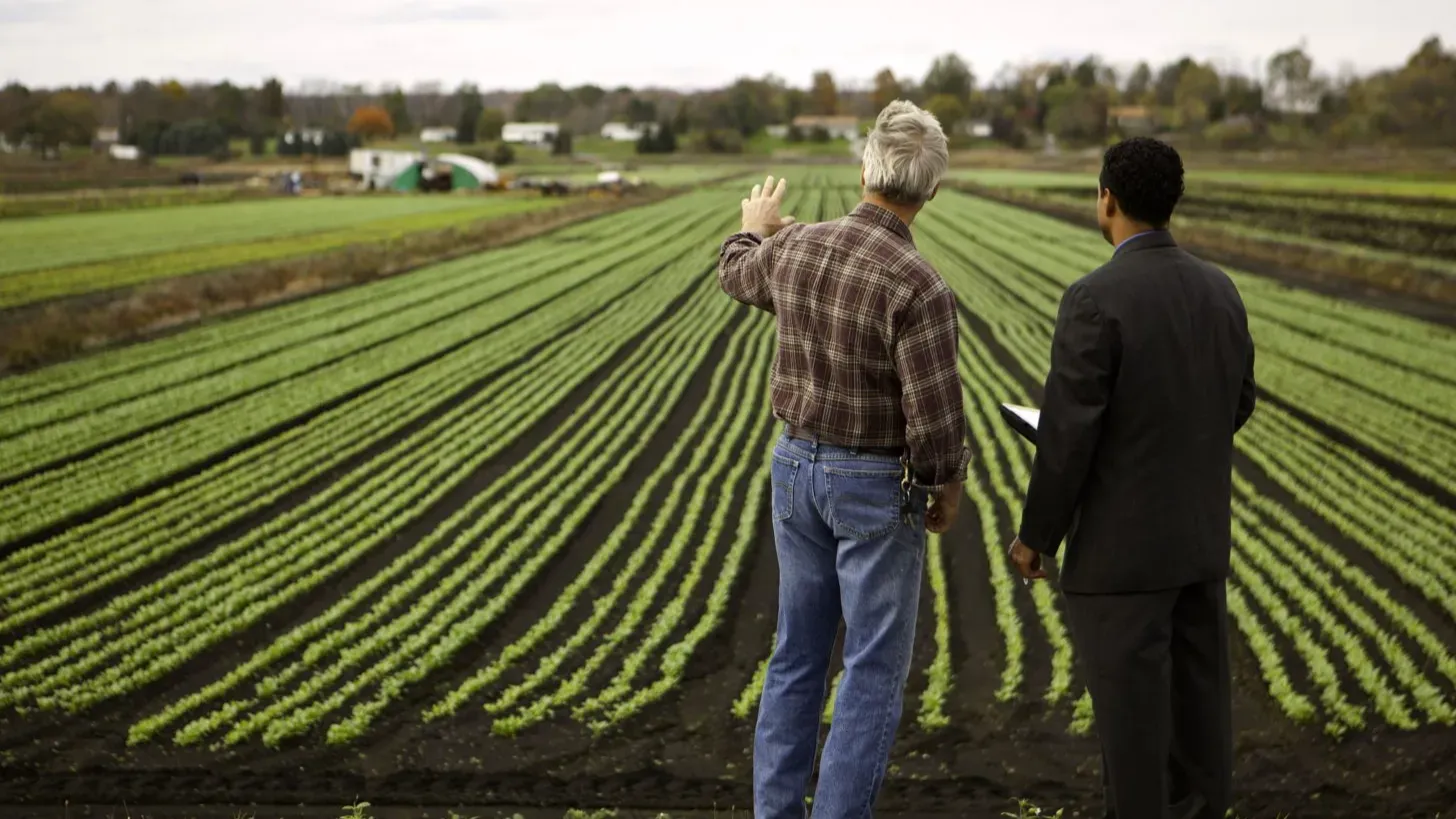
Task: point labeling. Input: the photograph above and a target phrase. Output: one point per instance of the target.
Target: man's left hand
(1027, 561)
(761, 209)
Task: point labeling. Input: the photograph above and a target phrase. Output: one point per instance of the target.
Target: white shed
(533, 133)
(438, 133)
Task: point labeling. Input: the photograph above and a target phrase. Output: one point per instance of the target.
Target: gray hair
(906, 154)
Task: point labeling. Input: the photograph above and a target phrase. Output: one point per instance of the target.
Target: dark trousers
(1157, 666)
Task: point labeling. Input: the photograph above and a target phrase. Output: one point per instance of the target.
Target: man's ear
(1108, 203)
(933, 192)
(861, 177)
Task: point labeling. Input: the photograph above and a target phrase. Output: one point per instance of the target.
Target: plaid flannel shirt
(866, 336)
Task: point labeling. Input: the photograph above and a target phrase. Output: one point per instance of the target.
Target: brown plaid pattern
(866, 336)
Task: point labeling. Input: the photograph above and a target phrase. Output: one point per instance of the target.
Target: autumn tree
(370, 122)
(887, 89)
(824, 95)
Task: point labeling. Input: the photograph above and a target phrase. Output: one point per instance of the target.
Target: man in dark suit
(1152, 373)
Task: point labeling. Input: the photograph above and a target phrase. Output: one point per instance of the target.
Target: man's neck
(1124, 230)
(906, 213)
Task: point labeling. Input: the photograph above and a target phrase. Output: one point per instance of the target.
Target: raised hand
(761, 208)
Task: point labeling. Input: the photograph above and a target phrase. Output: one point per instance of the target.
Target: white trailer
(376, 169)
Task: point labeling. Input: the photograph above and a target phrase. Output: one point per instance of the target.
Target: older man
(872, 454)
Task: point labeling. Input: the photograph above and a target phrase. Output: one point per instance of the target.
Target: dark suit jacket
(1152, 374)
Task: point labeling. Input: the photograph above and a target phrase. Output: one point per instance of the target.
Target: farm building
(378, 169)
(838, 127)
(126, 153)
(531, 133)
(624, 132)
(464, 172)
(438, 133)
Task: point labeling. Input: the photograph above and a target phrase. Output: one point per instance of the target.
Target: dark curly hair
(1146, 176)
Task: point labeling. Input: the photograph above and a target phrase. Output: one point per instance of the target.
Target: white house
(126, 153)
(837, 127)
(108, 134)
(438, 133)
(377, 169)
(623, 132)
(533, 133)
(777, 131)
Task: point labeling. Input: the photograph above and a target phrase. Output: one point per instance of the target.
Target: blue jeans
(843, 550)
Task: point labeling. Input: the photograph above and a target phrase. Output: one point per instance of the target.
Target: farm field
(44, 258)
(1382, 230)
(497, 531)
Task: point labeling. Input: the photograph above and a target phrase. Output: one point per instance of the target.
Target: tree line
(1291, 101)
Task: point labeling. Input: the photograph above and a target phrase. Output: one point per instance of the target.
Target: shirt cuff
(955, 474)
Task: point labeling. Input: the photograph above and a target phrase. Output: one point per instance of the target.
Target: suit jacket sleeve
(1078, 387)
(1247, 395)
(744, 263)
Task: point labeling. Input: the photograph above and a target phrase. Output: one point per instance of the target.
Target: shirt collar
(1130, 238)
(1159, 232)
(883, 218)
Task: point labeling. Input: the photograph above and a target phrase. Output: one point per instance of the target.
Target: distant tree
(950, 75)
(337, 143)
(397, 107)
(561, 145)
(795, 134)
(65, 117)
(659, 140)
(271, 103)
(488, 128)
(1139, 83)
(824, 95)
(194, 137)
(230, 108)
(588, 96)
(948, 109)
(371, 122)
(1293, 86)
(1198, 98)
(17, 112)
(717, 141)
(1413, 104)
(1076, 114)
(503, 154)
(682, 119)
(548, 102)
(640, 110)
(1242, 96)
(819, 134)
(471, 108)
(258, 144)
(795, 102)
(887, 89)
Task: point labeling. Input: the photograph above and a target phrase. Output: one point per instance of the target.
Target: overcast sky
(685, 44)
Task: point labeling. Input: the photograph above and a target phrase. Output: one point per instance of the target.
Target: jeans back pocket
(863, 503)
